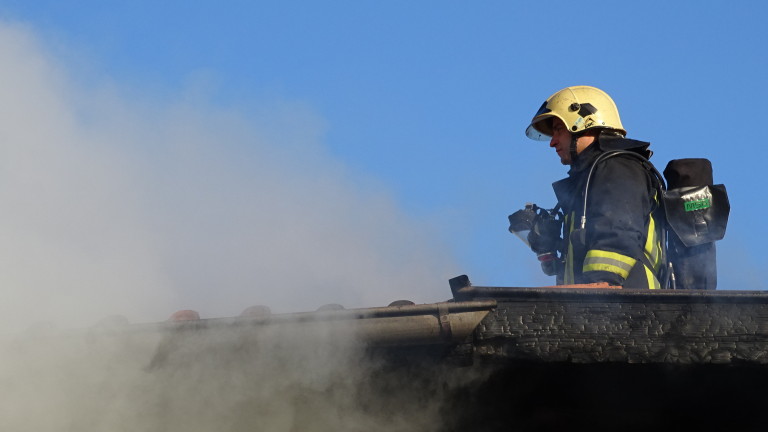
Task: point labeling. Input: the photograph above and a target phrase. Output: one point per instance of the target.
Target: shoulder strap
(660, 184)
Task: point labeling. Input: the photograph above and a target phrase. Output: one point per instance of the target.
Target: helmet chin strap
(574, 138)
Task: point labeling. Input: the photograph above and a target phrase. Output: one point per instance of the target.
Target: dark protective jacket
(622, 240)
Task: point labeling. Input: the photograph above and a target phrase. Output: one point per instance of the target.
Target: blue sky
(428, 101)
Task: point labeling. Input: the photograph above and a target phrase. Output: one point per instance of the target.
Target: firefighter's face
(561, 141)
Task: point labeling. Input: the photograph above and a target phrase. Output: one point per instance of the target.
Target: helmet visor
(538, 128)
(533, 133)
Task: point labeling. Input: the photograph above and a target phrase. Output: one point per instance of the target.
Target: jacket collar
(612, 142)
(606, 143)
(569, 187)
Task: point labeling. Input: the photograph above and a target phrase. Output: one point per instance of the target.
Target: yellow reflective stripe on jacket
(653, 283)
(568, 276)
(652, 245)
(598, 260)
(650, 242)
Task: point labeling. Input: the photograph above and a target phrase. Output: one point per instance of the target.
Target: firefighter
(616, 237)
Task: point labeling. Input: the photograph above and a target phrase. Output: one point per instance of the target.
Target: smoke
(118, 203)
(289, 377)
(115, 203)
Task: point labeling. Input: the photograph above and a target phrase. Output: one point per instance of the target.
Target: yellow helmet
(580, 108)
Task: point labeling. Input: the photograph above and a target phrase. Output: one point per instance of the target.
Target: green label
(698, 204)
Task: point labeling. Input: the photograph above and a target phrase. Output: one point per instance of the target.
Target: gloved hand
(550, 264)
(545, 235)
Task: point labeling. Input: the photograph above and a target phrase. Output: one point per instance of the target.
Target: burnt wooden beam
(629, 326)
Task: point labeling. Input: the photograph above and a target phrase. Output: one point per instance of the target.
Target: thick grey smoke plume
(119, 205)
(288, 377)
(142, 207)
